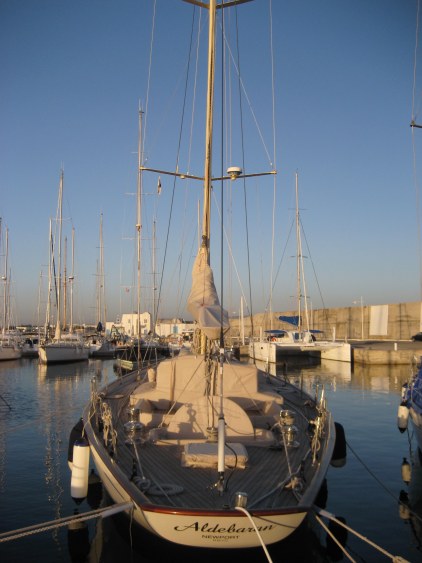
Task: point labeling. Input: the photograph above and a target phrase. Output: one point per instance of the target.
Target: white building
(168, 327)
(128, 325)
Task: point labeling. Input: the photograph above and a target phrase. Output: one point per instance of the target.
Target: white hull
(9, 353)
(10, 346)
(103, 349)
(416, 419)
(195, 528)
(274, 351)
(30, 348)
(338, 351)
(181, 460)
(263, 351)
(57, 352)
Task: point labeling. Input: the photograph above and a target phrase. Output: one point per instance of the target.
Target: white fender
(406, 471)
(402, 417)
(80, 469)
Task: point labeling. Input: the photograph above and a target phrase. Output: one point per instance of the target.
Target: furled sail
(203, 302)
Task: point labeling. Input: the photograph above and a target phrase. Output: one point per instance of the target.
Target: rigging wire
(279, 266)
(182, 285)
(149, 76)
(314, 270)
(141, 160)
(274, 158)
(249, 103)
(177, 167)
(415, 179)
(230, 250)
(223, 84)
(243, 167)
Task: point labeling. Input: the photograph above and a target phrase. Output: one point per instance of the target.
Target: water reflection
(410, 498)
(381, 378)
(112, 539)
(46, 402)
(63, 371)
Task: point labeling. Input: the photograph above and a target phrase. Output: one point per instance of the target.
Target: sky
(328, 91)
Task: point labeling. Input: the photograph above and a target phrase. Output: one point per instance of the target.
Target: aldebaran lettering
(217, 529)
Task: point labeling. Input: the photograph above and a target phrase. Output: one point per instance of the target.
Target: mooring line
(264, 547)
(60, 522)
(333, 537)
(326, 514)
(5, 402)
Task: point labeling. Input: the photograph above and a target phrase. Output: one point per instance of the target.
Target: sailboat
(144, 347)
(300, 340)
(64, 346)
(10, 341)
(207, 451)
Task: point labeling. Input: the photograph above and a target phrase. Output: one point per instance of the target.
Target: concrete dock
(377, 352)
(385, 352)
(378, 334)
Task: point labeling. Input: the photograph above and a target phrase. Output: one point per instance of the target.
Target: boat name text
(217, 529)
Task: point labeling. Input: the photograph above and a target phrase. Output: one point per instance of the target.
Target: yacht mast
(71, 278)
(50, 266)
(5, 292)
(59, 266)
(300, 268)
(103, 310)
(298, 259)
(65, 284)
(154, 285)
(138, 231)
(206, 218)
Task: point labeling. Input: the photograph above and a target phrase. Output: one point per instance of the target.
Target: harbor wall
(394, 321)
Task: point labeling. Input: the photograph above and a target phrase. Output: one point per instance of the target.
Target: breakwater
(394, 322)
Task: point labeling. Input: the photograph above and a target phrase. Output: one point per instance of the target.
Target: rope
(60, 522)
(414, 514)
(331, 517)
(333, 537)
(264, 547)
(369, 471)
(280, 485)
(5, 402)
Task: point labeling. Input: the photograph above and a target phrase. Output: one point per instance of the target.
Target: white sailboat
(10, 341)
(144, 348)
(65, 346)
(277, 344)
(210, 452)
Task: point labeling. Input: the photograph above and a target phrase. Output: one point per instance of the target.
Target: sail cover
(203, 302)
(293, 320)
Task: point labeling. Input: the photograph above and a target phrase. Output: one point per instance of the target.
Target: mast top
(218, 6)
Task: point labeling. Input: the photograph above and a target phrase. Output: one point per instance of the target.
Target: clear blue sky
(71, 77)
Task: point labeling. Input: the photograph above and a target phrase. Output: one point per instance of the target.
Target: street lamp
(361, 315)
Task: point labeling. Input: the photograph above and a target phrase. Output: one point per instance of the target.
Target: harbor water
(39, 405)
